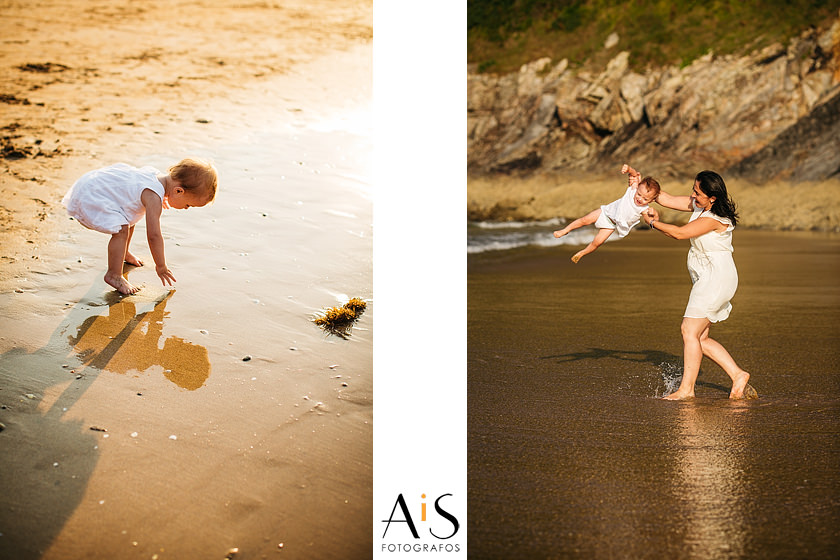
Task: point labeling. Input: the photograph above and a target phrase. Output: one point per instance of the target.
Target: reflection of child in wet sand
(128, 338)
(113, 199)
(618, 216)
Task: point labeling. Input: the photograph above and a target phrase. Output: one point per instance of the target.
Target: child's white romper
(107, 199)
(621, 215)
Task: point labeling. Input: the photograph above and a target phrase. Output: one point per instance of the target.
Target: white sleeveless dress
(107, 199)
(712, 271)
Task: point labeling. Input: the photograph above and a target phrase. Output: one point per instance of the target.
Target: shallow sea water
(572, 454)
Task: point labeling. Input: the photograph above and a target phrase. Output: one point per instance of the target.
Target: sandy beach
(216, 416)
(572, 454)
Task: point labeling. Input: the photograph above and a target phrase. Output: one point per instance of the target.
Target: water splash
(671, 377)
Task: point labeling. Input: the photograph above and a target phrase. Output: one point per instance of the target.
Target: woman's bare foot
(131, 259)
(678, 396)
(560, 233)
(119, 283)
(576, 257)
(739, 385)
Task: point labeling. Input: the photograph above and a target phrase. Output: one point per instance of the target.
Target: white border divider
(420, 283)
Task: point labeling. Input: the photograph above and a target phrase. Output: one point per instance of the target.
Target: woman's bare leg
(130, 258)
(116, 257)
(602, 235)
(692, 329)
(590, 218)
(715, 350)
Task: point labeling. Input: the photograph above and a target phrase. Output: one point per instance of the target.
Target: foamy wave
(552, 223)
(483, 237)
(510, 242)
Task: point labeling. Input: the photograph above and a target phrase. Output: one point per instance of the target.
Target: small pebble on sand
(246, 358)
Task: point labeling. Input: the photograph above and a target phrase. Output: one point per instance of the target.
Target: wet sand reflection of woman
(711, 486)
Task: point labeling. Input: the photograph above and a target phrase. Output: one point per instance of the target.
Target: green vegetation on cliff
(504, 34)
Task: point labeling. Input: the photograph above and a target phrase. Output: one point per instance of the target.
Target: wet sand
(184, 423)
(572, 455)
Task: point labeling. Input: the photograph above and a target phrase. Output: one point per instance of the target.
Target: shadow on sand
(47, 460)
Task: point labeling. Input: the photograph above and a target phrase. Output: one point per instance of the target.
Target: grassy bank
(504, 34)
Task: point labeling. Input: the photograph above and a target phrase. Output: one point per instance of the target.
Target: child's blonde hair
(652, 184)
(196, 174)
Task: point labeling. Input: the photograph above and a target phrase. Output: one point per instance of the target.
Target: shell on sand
(750, 392)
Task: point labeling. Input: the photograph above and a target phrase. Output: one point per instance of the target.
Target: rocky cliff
(773, 114)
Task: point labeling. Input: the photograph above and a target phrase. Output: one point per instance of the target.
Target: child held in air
(619, 216)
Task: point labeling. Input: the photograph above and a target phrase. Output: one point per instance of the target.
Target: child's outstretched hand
(633, 176)
(165, 275)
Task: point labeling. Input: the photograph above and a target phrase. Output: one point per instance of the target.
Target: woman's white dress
(107, 199)
(712, 271)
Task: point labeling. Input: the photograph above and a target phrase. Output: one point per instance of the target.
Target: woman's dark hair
(712, 185)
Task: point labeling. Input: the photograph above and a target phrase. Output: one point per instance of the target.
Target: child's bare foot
(131, 259)
(679, 395)
(119, 283)
(560, 233)
(576, 257)
(739, 385)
